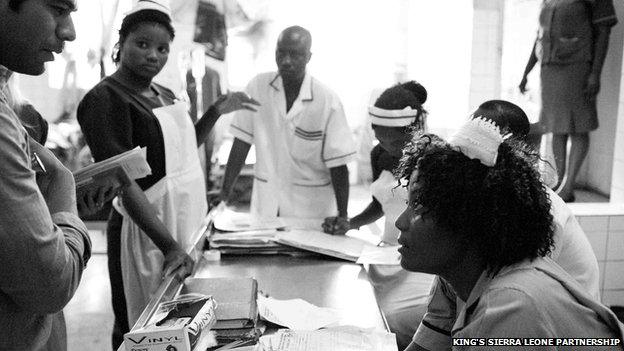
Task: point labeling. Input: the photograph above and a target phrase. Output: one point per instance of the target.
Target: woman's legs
(579, 145)
(559, 147)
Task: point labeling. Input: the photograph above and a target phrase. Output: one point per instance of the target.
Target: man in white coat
(302, 139)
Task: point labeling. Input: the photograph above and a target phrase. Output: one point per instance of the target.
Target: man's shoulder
(10, 127)
(263, 78)
(7, 115)
(319, 86)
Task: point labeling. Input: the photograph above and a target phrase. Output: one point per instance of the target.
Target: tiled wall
(604, 226)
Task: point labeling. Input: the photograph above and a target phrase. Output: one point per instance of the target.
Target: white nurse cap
(158, 5)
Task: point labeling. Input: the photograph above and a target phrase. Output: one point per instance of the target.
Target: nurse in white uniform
(399, 292)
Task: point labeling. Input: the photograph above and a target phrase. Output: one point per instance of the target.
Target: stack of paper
(252, 238)
(333, 339)
(238, 233)
(296, 314)
(341, 246)
(231, 221)
(118, 169)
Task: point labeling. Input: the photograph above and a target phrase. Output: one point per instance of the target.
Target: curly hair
(132, 21)
(409, 94)
(15, 4)
(503, 210)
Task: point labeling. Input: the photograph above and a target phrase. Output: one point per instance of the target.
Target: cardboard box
(178, 325)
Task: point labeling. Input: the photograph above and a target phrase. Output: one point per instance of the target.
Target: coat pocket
(567, 47)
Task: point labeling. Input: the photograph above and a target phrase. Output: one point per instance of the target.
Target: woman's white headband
(392, 118)
(478, 139)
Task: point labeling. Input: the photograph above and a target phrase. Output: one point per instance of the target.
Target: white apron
(179, 199)
(398, 292)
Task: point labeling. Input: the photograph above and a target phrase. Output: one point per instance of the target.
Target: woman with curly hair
(397, 111)
(571, 250)
(479, 216)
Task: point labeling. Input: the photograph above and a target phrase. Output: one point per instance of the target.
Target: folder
(236, 299)
(339, 246)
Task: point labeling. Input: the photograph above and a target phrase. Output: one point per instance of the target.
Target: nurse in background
(396, 112)
(151, 227)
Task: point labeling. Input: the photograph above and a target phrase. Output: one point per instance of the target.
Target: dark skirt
(564, 107)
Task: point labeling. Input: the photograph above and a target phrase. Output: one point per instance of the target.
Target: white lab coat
(180, 203)
(294, 149)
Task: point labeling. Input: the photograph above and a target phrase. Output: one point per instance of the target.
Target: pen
(36, 163)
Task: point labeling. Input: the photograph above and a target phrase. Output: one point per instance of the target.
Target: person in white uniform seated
(400, 294)
(479, 216)
(302, 140)
(572, 250)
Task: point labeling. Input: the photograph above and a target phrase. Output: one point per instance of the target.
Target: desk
(323, 282)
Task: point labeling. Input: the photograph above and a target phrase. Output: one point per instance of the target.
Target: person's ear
(309, 57)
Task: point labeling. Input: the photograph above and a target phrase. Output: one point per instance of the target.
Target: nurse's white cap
(158, 5)
(392, 118)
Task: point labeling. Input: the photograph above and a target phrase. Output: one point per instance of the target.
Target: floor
(89, 315)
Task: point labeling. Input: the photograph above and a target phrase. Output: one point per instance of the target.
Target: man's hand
(234, 101)
(592, 87)
(178, 262)
(57, 183)
(336, 225)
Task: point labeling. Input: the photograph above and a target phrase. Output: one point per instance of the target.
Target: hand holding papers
(296, 314)
(98, 183)
(133, 163)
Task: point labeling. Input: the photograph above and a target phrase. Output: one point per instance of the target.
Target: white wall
(485, 83)
(597, 170)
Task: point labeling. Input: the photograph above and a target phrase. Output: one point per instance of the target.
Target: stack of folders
(237, 233)
(237, 308)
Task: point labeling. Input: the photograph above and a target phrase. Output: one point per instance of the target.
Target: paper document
(341, 246)
(296, 314)
(382, 255)
(329, 340)
(303, 223)
(132, 162)
(252, 238)
(231, 221)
